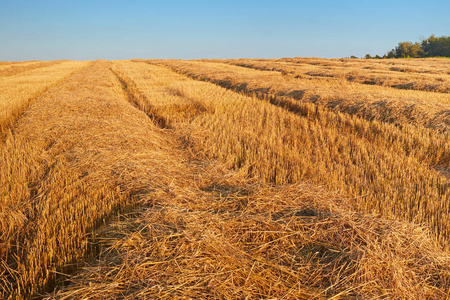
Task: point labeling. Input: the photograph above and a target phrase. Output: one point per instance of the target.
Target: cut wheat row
(221, 237)
(277, 146)
(78, 154)
(357, 71)
(8, 64)
(17, 69)
(16, 92)
(410, 138)
(411, 66)
(403, 135)
(238, 242)
(401, 107)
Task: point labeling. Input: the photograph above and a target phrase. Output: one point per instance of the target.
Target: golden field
(296, 178)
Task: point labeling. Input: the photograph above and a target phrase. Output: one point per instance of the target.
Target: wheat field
(295, 178)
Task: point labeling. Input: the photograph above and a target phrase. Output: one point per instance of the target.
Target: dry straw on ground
(199, 192)
(18, 89)
(420, 74)
(275, 145)
(380, 103)
(7, 64)
(17, 69)
(242, 242)
(86, 154)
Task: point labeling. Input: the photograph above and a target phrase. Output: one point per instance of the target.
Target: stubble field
(296, 178)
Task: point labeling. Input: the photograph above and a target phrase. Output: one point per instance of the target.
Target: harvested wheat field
(299, 178)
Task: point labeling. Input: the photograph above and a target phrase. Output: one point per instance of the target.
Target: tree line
(430, 47)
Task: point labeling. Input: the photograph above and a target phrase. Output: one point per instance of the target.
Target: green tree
(436, 46)
(402, 49)
(408, 49)
(415, 50)
(391, 54)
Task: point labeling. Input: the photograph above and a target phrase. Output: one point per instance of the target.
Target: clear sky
(86, 30)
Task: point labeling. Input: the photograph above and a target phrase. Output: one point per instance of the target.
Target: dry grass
(425, 78)
(427, 109)
(426, 65)
(87, 155)
(273, 145)
(230, 197)
(18, 90)
(288, 242)
(19, 68)
(413, 66)
(389, 123)
(6, 64)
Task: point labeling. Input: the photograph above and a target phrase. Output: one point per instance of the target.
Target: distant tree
(391, 54)
(402, 49)
(436, 46)
(430, 47)
(415, 50)
(408, 49)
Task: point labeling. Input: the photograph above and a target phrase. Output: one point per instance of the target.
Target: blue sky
(85, 30)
